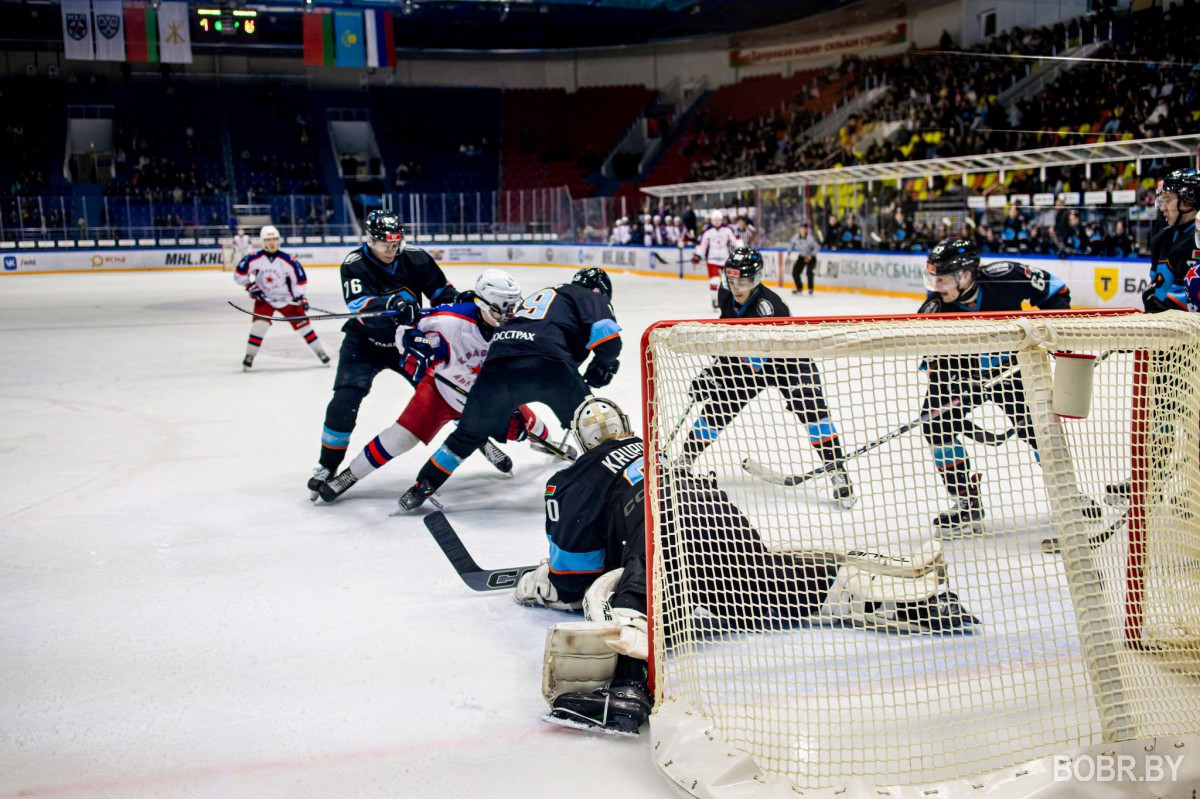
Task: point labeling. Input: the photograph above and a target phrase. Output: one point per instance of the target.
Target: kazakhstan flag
(351, 41)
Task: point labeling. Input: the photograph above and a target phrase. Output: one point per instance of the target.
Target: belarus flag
(381, 39)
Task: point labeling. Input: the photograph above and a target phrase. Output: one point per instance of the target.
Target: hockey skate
(247, 362)
(842, 491)
(965, 519)
(620, 709)
(319, 476)
(497, 458)
(324, 358)
(332, 489)
(415, 497)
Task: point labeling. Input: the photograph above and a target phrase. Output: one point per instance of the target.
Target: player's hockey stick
(547, 446)
(1053, 545)
(317, 317)
(476, 578)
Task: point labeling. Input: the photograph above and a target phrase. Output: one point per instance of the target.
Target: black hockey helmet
(1186, 184)
(595, 279)
(747, 260)
(385, 226)
(952, 255)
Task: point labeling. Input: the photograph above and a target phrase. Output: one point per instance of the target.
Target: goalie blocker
(594, 674)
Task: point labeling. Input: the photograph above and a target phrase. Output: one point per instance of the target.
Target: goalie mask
(598, 420)
(498, 295)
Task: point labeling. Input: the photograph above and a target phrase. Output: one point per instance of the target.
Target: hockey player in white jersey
(716, 243)
(278, 284)
(442, 355)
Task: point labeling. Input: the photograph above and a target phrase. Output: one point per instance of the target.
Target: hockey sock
(333, 448)
(823, 436)
(441, 465)
(310, 338)
(954, 467)
(258, 329)
(534, 426)
(340, 416)
(385, 446)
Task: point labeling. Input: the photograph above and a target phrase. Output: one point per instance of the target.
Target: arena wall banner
(1094, 282)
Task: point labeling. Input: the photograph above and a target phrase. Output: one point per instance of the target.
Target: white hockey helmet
(269, 232)
(498, 295)
(598, 420)
(717, 218)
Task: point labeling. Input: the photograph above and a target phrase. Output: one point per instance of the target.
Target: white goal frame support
(695, 755)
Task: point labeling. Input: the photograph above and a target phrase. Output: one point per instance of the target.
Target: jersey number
(535, 307)
(352, 287)
(552, 509)
(1037, 279)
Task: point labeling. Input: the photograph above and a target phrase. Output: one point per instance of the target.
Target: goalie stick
(1053, 544)
(917, 565)
(476, 578)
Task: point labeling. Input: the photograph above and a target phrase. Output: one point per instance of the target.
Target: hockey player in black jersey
(958, 284)
(1171, 248)
(534, 357)
(595, 671)
(730, 383)
(383, 274)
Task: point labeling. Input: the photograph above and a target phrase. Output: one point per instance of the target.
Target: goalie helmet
(497, 294)
(384, 226)
(1185, 183)
(598, 420)
(595, 279)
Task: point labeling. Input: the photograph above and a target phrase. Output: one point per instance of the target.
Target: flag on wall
(174, 37)
(141, 33)
(318, 39)
(348, 30)
(110, 30)
(381, 38)
(77, 30)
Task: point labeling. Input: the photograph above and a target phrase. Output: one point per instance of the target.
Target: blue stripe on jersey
(563, 561)
(357, 304)
(948, 456)
(334, 438)
(754, 362)
(439, 293)
(603, 329)
(446, 460)
(995, 360)
(1056, 285)
(635, 472)
(704, 431)
(822, 431)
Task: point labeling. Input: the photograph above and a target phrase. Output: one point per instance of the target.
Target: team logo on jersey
(109, 25)
(764, 308)
(77, 26)
(1106, 279)
(550, 490)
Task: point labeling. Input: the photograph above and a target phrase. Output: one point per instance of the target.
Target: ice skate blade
(577, 723)
(952, 533)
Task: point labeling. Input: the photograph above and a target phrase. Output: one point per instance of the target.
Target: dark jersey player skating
(535, 357)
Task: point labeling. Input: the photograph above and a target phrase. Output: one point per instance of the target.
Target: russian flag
(381, 38)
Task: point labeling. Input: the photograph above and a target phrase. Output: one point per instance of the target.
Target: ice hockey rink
(178, 618)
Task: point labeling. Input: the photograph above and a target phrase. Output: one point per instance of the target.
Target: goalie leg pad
(578, 658)
(888, 603)
(632, 638)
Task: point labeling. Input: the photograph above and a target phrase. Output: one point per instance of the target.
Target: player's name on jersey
(619, 458)
(514, 335)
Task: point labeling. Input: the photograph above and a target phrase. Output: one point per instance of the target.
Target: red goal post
(1127, 605)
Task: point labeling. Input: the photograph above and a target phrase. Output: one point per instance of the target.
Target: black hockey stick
(1053, 545)
(476, 578)
(549, 447)
(317, 316)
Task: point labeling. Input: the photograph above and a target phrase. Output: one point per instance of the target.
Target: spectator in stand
(1014, 238)
(689, 219)
(900, 232)
(1072, 240)
(985, 239)
(1118, 245)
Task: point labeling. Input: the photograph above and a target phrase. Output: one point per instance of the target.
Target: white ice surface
(176, 619)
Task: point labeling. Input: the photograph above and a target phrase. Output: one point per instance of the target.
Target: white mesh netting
(1093, 636)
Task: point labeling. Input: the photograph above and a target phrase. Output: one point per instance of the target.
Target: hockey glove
(1150, 296)
(256, 293)
(406, 312)
(695, 259)
(535, 588)
(600, 373)
(415, 356)
(303, 302)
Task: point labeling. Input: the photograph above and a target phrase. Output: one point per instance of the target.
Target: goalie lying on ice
(594, 673)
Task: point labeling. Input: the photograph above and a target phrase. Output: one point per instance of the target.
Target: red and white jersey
(459, 347)
(278, 275)
(716, 243)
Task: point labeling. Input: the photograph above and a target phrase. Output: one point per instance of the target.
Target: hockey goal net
(1084, 576)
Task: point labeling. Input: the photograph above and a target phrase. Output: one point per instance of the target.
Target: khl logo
(10, 263)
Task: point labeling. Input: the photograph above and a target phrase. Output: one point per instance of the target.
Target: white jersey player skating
(716, 243)
(278, 284)
(442, 355)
